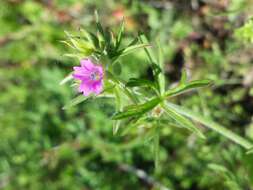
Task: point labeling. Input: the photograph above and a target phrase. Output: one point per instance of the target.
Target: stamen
(95, 76)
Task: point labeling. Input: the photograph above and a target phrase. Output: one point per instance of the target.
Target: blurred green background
(43, 146)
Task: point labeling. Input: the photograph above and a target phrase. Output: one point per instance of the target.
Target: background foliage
(43, 146)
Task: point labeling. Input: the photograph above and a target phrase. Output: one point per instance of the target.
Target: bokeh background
(43, 146)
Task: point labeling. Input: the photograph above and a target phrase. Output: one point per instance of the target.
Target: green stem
(156, 148)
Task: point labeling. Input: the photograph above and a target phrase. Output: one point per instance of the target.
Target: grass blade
(212, 125)
(182, 121)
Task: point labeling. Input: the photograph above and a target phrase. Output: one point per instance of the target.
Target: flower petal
(81, 77)
(81, 71)
(86, 90)
(87, 64)
(97, 88)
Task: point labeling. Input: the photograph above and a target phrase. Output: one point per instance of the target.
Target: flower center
(95, 76)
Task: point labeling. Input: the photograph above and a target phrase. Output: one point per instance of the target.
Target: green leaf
(120, 34)
(136, 110)
(198, 83)
(132, 48)
(149, 52)
(83, 46)
(94, 39)
(160, 75)
(107, 36)
(182, 121)
(84, 35)
(135, 41)
(66, 79)
(75, 101)
(98, 24)
(133, 82)
(212, 125)
(189, 86)
(100, 29)
(68, 44)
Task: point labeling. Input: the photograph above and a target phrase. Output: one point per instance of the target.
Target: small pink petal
(80, 77)
(81, 70)
(87, 64)
(97, 88)
(85, 89)
(82, 87)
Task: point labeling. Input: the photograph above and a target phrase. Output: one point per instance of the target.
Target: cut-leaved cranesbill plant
(148, 102)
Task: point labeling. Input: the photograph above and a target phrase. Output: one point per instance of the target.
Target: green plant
(138, 101)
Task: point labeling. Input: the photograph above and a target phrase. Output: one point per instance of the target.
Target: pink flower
(91, 77)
